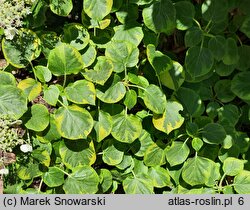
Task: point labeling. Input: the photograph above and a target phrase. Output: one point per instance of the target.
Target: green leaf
(19, 54)
(197, 143)
(127, 13)
(49, 40)
(155, 99)
(231, 55)
(159, 176)
(213, 133)
(64, 60)
(217, 46)
(43, 73)
(240, 85)
(82, 180)
(105, 177)
(73, 122)
(122, 54)
(89, 55)
(7, 78)
(174, 77)
(141, 184)
(113, 94)
(193, 36)
(242, 182)
(177, 153)
(61, 8)
(160, 16)
(190, 100)
(12, 101)
(130, 99)
(213, 10)
(244, 58)
(103, 126)
(101, 72)
(126, 128)
(232, 166)
(144, 142)
(30, 87)
(228, 115)
(29, 171)
(198, 61)
(160, 62)
(39, 118)
(245, 27)
(54, 177)
(51, 95)
(197, 170)
(111, 155)
(170, 119)
(97, 9)
(131, 32)
(76, 35)
(154, 155)
(42, 156)
(77, 153)
(224, 70)
(223, 93)
(185, 13)
(81, 92)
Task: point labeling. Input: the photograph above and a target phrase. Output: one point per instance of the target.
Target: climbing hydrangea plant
(132, 96)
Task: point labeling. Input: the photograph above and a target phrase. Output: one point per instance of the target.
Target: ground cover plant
(125, 96)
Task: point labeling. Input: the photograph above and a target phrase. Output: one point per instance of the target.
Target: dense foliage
(126, 96)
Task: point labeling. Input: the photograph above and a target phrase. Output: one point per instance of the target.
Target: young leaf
(130, 99)
(43, 73)
(51, 95)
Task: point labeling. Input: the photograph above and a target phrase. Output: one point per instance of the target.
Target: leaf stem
(62, 171)
(130, 85)
(62, 104)
(64, 79)
(220, 184)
